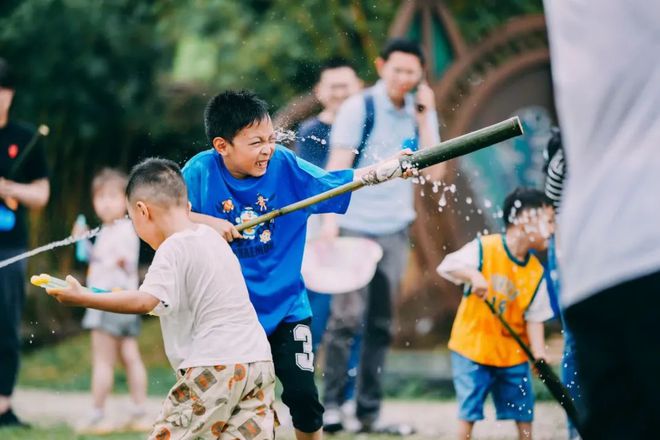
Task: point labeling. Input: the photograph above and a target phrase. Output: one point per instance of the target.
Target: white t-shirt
(607, 89)
(468, 257)
(115, 243)
(205, 313)
(113, 264)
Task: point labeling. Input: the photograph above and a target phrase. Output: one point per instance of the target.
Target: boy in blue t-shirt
(246, 175)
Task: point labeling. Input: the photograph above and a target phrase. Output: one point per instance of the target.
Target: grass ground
(54, 386)
(60, 433)
(67, 367)
(64, 433)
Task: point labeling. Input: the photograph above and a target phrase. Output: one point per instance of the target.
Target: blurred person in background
(397, 113)
(23, 185)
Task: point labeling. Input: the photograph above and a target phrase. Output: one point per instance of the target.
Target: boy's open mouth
(262, 164)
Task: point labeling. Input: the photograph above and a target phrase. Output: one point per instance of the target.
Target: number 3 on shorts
(304, 360)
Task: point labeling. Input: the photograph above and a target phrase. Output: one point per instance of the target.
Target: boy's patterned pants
(220, 402)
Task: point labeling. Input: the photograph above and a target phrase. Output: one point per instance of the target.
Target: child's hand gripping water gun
(50, 282)
(71, 298)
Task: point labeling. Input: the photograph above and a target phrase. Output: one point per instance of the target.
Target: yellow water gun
(50, 282)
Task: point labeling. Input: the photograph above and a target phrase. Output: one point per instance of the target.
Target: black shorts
(291, 345)
(617, 349)
(12, 300)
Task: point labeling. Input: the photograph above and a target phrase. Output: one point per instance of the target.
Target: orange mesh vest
(512, 284)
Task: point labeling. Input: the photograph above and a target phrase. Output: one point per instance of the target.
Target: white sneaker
(380, 427)
(139, 422)
(332, 420)
(97, 424)
(350, 421)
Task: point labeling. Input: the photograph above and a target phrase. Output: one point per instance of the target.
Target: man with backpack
(397, 113)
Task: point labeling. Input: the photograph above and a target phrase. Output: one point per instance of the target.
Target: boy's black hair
(7, 79)
(334, 63)
(229, 112)
(159, 181)
(403, 45)
(521, 199)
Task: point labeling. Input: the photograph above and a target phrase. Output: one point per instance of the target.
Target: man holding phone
(397, 113)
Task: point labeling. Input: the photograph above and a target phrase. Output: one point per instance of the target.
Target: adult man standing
(607, 87)
(370, 127)
(23, 184)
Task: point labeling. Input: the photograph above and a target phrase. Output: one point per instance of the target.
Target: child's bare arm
(476, 280)
(462, 267)
(223, 227)
(125, 301)
(536, 334)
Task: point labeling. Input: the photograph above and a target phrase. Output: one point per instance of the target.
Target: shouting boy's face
(250, 151)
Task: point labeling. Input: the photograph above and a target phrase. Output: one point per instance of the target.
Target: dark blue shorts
(511, 389)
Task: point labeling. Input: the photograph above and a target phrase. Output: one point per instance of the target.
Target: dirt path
(432, 419)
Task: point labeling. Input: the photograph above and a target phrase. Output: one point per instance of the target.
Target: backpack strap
(370, 117)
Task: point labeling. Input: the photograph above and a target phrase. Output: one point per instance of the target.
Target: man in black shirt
(23, 184)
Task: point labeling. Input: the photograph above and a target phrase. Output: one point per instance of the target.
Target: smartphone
(419, 107)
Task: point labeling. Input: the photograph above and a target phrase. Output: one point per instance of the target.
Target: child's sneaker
(349, 420)
(97, 424)
(332, 420)
(139, 422)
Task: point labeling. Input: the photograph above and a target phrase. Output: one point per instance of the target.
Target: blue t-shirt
(313, 142)
(271, 253)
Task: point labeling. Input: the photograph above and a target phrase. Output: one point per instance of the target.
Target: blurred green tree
(89, 70)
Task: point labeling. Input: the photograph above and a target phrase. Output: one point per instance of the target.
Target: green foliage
(273, 47)
(476, 18)
(88, 70)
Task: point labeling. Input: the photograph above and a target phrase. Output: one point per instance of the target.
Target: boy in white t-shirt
(213, 340)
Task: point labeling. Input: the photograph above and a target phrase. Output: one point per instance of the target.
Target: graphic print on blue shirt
(270, 254)
(257, 240)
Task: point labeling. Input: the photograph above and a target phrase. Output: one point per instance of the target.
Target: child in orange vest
(500, 268)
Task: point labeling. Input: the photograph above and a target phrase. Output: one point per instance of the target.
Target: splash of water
(50, 246)
(285, 136)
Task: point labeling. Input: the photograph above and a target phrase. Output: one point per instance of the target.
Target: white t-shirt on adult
(607, 89)
(205, 313)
